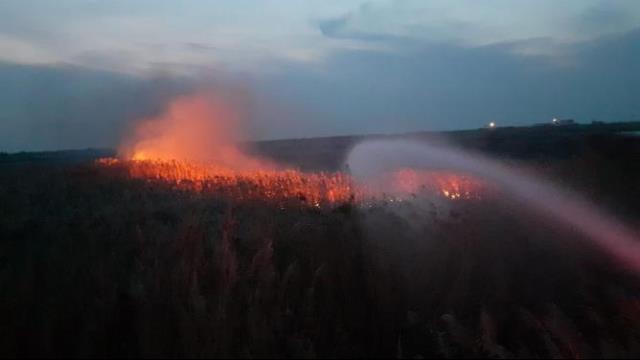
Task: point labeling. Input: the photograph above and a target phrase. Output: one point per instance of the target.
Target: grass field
(95, 263)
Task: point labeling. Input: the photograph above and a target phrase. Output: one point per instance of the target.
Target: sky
(76, 73)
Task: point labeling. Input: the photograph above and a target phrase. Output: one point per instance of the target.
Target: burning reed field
(137, 256)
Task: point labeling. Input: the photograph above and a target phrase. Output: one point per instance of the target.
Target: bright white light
(492, 124)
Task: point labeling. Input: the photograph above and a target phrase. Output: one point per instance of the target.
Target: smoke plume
(203, 127)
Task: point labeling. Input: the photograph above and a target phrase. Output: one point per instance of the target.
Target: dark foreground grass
(94, 264)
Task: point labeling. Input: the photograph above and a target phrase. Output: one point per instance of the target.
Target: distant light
(555, 120)
(492, 124)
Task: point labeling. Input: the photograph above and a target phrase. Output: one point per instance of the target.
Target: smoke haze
(204, 127)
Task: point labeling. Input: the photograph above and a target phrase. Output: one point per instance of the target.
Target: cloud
(416, 87)
(334, 27)
(61, 107)
(477, 23)
(14, 49)
(240, 36)
(75, 74)
(609, 16)
(423, 86)
(200, 46)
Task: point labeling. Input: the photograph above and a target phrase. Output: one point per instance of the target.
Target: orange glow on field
(294, 186)
(314, 189)
(448, 184)
(192, 145)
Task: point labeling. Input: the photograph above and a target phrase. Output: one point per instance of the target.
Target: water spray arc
(372, 158)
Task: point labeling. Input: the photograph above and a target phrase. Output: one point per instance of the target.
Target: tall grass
(95, 265)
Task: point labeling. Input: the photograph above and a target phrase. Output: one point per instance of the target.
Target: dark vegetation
(94, 264)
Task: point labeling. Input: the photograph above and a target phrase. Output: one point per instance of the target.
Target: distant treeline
(327, 153)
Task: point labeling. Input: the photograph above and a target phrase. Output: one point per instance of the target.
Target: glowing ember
(293, 186)
(314, 189)
(448, 184)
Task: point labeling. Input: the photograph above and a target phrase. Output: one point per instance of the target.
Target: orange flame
(293, 186)
(192, 145)
(449, 184)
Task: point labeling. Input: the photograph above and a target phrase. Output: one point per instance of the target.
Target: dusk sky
(73, 74)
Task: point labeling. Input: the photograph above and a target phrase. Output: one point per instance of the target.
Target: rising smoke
(204, 127)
